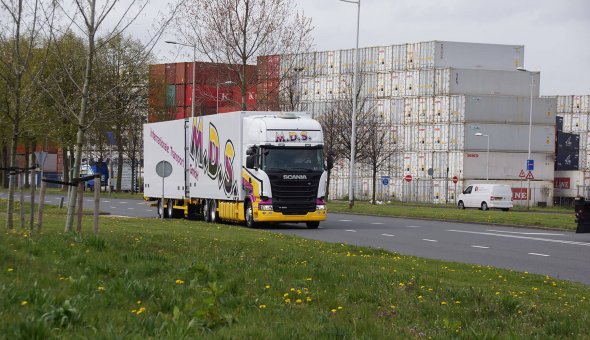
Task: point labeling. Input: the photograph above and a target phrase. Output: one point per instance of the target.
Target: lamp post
(530, 132)
(194, 71)
(479, 134)
(354, 105)
(229, 82)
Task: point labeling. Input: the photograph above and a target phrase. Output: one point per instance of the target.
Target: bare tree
(235, 32)
(22, 25)
(376, 148)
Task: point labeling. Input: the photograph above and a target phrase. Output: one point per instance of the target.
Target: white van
(486, 196)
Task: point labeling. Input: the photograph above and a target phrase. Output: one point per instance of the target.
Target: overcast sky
(556, 33)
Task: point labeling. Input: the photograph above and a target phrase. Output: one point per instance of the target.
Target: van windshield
(292, 159)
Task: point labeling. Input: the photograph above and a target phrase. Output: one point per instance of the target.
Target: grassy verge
(181, 279)
(548, 219)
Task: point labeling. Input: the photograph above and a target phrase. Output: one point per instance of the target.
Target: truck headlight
(265, 207)
(320, 207)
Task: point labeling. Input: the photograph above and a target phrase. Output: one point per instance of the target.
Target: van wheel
(206, 213)
(161, 210)
(250, 216)
(484, 206)
(312, 225)
(461, 205)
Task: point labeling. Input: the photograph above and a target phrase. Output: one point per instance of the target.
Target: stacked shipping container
(434, 96)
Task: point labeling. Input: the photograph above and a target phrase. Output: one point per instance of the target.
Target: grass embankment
(173, 279)
(551, 218)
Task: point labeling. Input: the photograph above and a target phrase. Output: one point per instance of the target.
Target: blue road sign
(385, 180)
(530, 164)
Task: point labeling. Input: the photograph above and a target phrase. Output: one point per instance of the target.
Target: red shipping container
(179, 113)
(180, 73)
(189, 73)
(170, 74)
(188, 95)
(180, 95)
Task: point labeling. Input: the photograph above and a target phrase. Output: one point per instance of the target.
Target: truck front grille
(294, 196)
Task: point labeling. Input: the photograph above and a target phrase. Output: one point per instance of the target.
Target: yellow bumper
(271, 216)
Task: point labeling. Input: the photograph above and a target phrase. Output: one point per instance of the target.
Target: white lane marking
(130, 208)
(350, 230)
(523, 237)
(521, 233)
(389, 235)
(376, 223)
(425, 239)
(482, 247)
(537, 254)
(413, 226)
(107, 201)
(140, 203)
(344, 220)
(113, 207)
(123, 202)
(149, 210)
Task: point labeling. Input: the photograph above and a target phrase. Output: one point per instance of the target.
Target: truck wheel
(206, 208)
(461, 205)
(214, 218)
(484, 206)
(161, 210)
(170, 208)
(249, 216)
(312, 225)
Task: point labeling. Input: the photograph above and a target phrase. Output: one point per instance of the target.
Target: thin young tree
(236, 32)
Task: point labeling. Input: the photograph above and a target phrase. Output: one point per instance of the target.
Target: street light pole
(194, 71)
(530, 132)
(229, 82)
(354, 105)
(479, 134)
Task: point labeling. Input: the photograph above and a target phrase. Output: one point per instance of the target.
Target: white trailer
(251, 167)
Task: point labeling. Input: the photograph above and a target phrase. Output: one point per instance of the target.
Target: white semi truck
(251, 167)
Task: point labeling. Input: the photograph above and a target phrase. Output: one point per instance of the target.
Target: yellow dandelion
(443, 302)
(308, 279)
(298, 291)
(286, 294)
(287, 300)
(339, 308)
(10, 270)
(308, 299)
(24, 302)
(262, 306)
(267, 286)
(333, 311)
(100, 289)
(138, 302)
(298, 301)
(457, 302)
(497, 293)
(141, 310)
(133, 311)
(292, 289)
(179, 282)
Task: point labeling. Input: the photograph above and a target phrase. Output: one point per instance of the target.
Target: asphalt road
(560, 254)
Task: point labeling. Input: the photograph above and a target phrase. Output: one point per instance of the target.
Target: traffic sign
(455, 179)
(530, 164)
(522, 174)
(530, 175)
(408, 178)
(385, 180)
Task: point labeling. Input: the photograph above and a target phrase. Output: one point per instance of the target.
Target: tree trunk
(12, 179)
(66, 167)
(4, 160)
(82, 117)
(119, 140)
(27, 165)
(374, 182)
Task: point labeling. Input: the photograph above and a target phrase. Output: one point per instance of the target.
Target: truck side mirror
(251, 151)
(250, 161)
(330, 161)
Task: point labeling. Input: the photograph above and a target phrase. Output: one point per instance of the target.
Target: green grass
(551, 218)
(180, 279)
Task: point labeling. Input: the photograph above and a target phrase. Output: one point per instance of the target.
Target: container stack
(572, 155)
(434, 97)
(171, 90)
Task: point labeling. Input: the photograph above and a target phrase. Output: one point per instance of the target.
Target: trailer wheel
(249, 216)
(312, 225)
(161, 210)
(214, 217)
(170, 208)
(206, 208)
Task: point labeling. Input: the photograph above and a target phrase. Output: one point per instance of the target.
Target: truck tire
(161, 210)
(206, 213)
(312, 225)
(170, 208)
(249, 215)
(214, 217)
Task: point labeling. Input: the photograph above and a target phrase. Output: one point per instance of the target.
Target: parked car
(486, 196)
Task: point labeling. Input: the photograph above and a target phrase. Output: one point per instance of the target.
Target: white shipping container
(426, 110)
(440, 163)
(501, 109)
(347, 61)
(579, 122)
(399, 57)
(397, 137)
(441, 54)
(567, 183)
(581, 104)
(398, 84)
(424, 163)
(426, 83)
(411, 140)
(368, 85)
(451, 81)
(412, 83)
(424, 138)
(385, 59)
(397, 107)
(565, 104)
(369, 59)
(456, 134)
(306, 89)
(383, 88)
(441, 109)
(327, 63)
(506, 165)
(567, 122)
(511, 138)
(382, 109)
(411, 110)
(440, 140)
(456, 164)
(306, 63)
(413, 56)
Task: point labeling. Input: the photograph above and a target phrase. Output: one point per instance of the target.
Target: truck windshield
(292, 159)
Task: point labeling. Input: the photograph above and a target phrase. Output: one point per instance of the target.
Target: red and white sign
(522, 174)
(455, 179)
(530, 175)
(561, 183)
(408, 178)
(519, 194)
